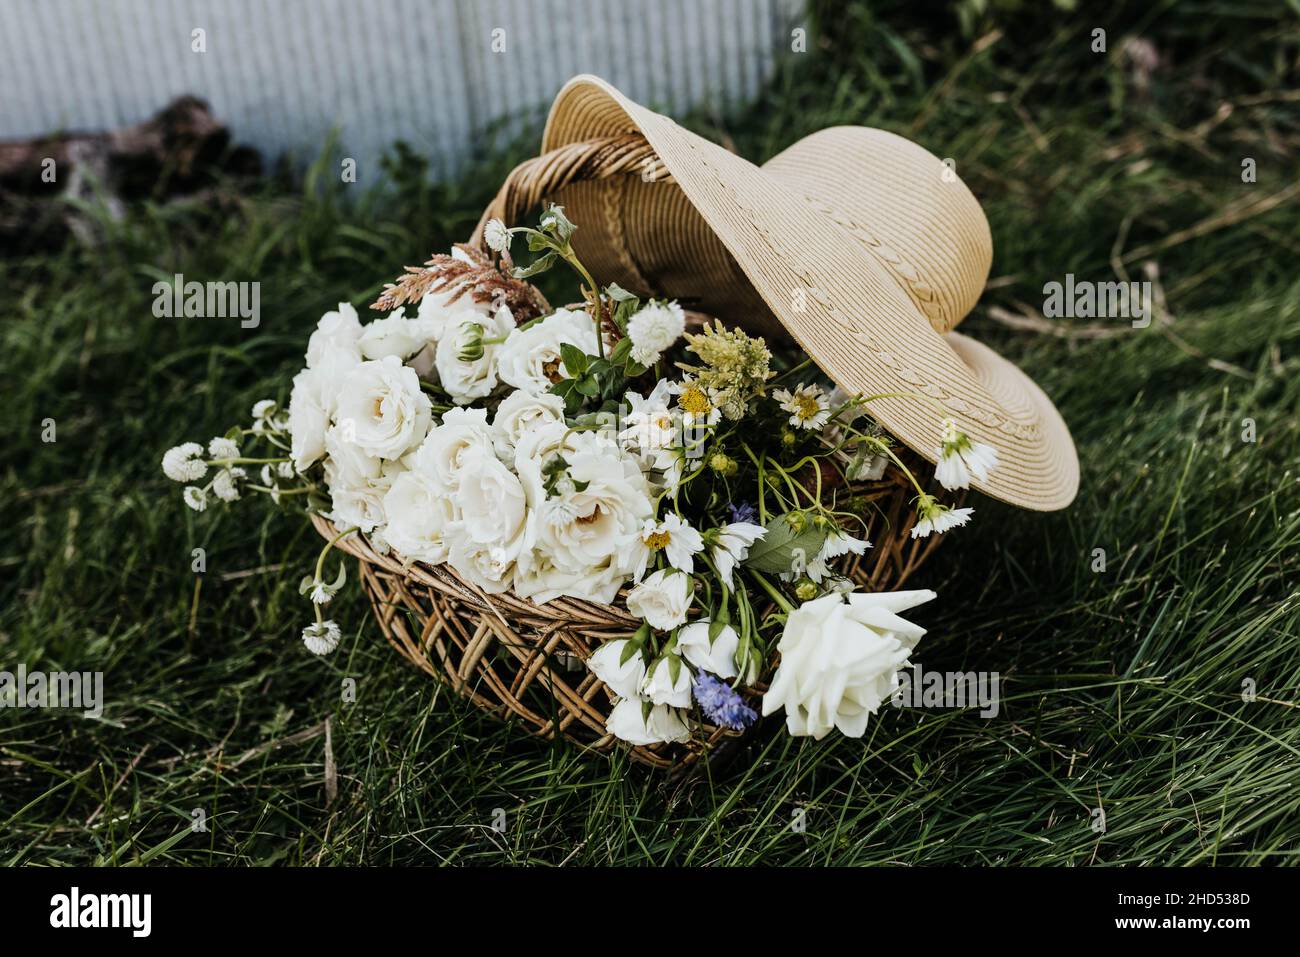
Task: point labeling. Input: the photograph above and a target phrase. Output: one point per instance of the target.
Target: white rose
(531, 359)
(521, 413)
(441, 453)
(668, 682)
(468, 351)
(664, 724)
(662, 599)
(309, 418)
(418, 511)
(716, 656)
(840, 660)
(358, 482)
(336, 331)
(393, 335)
(491, 501)
(621, 677)
(494, 526)
(382, 408)
(587, 522)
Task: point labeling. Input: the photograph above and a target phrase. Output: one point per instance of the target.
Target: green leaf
(535, 267)
(588, 386)
(630, 649)
(621, 351)
(618, 293)
(777, 550)
(341, 579)
(674, 668)
(575, 360)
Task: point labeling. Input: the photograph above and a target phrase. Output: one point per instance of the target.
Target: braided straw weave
(525, 661)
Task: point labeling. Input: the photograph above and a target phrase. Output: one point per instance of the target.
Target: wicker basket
(518, 659)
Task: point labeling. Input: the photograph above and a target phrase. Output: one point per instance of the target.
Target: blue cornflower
(721, 704)
(744, 512)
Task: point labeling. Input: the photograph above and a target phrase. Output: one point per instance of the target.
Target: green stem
(774, 593)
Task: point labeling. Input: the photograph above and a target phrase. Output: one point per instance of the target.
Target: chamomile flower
(182, 464)
(223, 448)
(807, 405)
(320, 593)
(321, 637)
(960, 458)
(695, 401)
(653, 329)
(938, 518)
(195, 497)
(264, 408)
(674, 537)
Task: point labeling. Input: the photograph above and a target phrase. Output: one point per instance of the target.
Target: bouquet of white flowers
(519, 459)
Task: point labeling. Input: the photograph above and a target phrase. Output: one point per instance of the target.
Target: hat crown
(904, 205)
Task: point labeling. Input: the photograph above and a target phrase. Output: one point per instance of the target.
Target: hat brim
(841, 306)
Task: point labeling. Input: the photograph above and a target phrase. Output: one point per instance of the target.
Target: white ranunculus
(339, 331)
(382, 409)
(531, 359)
(588, 520)
(469, 350)
(661, 687)
(662, 599)
(627, 723)
(717, 657)
(521, 413)
(419, 511)
(621, 677)
(441, 453)
(840, 658)
(392, 335)
(309, 418)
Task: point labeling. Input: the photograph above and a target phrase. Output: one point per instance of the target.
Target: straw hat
(860, 244)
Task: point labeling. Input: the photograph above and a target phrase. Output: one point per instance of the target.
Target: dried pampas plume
(476, 276)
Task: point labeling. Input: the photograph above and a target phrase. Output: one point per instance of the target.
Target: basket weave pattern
(524, 661)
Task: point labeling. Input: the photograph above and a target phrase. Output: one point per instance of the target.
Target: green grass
(1123, 688)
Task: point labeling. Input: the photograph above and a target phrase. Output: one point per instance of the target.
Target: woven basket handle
(533, 180)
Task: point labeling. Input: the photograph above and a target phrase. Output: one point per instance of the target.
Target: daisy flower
(807, 405)
(674, 537)
(695, 401)
(960, 458)
(938, 518)
(182, 464)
